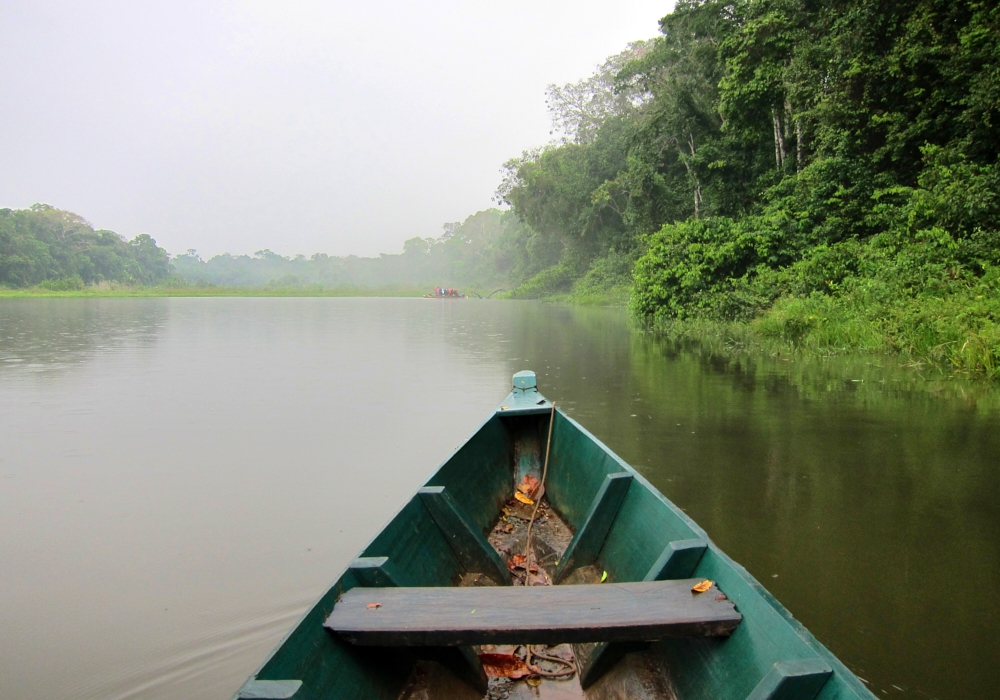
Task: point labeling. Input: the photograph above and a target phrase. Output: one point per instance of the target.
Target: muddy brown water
(180, 478)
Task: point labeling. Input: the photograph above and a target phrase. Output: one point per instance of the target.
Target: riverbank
(943, 337)
(115, 290)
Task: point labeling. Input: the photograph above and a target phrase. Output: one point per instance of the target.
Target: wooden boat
(405, 618)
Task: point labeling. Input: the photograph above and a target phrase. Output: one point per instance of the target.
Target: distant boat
(445, 293)
(448, 600)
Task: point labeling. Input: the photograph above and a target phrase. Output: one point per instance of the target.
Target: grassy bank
(115, 290)
(949, 337)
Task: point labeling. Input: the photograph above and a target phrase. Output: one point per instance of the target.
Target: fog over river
(181, 478)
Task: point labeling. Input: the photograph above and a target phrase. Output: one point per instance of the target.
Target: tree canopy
(44, 244)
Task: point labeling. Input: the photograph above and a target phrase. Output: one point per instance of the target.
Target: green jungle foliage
(826, 171)
(60, 251)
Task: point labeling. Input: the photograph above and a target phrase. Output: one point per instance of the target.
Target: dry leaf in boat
(528, 485)
(516, 561)
(701, 587)
(534, 681)
(499, 665)
(523, 499)
(372, 606)
(506, 510)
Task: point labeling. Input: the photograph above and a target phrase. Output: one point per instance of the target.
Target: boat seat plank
(378, 572)
(449, 616)
(678, 560)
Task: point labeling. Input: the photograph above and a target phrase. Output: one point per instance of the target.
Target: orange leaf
(503, 666)
(523, 499)
(528, 485)
(702, 587)
(372, 606)
(517, 561)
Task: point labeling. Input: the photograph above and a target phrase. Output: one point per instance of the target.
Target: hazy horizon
(300, 128)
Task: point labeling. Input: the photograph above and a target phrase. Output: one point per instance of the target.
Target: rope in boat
(530, 649)
(540, 493)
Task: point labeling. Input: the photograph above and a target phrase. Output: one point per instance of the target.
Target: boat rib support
(793, 680)
(588, 540)
(470, 546)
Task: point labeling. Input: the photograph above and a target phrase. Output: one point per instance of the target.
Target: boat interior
(615, 593)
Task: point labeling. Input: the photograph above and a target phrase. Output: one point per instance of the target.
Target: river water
(180, 478)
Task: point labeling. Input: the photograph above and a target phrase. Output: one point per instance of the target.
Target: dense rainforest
(826, 170)
(60, 250)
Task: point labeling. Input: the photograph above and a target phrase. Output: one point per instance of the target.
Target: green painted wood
(531, 614)
(328, 666)
(479, 476)
(793, 680)
(254, 689)
(730, 670)
(524, 379)
(589, 538)
(375, 572)
(414, 544)
(577, 467)
(468, 543)
(678, 560)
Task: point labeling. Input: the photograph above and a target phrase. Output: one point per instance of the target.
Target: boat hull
(645, 527)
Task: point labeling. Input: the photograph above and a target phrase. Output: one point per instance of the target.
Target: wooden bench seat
(611, 612)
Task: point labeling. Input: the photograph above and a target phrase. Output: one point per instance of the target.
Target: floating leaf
(523, 499)
(372, 606)
(473, 611)
(702, 587)
(503, 666)
(604, 577)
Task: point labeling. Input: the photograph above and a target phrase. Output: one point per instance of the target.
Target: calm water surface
(180, 478)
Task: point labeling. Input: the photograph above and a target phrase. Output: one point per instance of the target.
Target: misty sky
(302, 127)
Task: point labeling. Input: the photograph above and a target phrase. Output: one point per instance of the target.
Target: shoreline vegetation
(106, 290)
(810, 176)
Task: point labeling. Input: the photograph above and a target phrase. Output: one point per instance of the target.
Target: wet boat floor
(638, 676)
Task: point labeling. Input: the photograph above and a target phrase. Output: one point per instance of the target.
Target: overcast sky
(303, 127)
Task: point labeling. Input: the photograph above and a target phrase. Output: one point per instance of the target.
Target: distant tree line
(488, 248)
(59, 249)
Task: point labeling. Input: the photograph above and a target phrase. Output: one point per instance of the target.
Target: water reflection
(192, 472)
(43, 336)
(860, 492)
